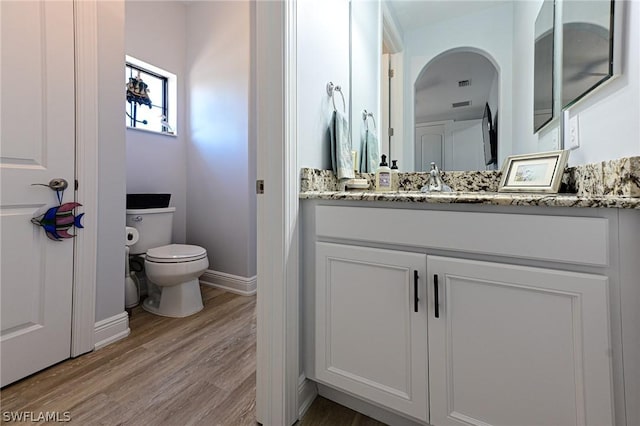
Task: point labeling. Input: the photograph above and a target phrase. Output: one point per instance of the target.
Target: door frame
(86, 173)
(277, 214)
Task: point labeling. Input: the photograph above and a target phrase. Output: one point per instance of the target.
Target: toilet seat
(176, 253)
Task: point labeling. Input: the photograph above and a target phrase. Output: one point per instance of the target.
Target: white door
(429, 148)
(514, 345)
(371, 323)
(37, 144)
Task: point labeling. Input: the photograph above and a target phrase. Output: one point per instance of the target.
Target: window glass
(146, 104)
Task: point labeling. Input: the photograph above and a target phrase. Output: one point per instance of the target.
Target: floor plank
(198, 370)
(327, 413)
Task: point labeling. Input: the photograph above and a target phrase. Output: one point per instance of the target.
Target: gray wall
(111, 167)
(221, 213)
(157, 163)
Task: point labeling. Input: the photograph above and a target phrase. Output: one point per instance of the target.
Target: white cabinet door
(370, 331)
(37, 144)
(518, 346)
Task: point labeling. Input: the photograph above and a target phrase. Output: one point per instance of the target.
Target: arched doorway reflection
(456, 104)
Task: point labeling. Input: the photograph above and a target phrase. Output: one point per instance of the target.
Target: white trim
(228, 282)
(291, 210)
(153, 132)
(111, 329)
(307, 393)
(277, 212)
(85, 243)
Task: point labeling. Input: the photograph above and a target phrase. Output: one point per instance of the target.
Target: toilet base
(176, 301)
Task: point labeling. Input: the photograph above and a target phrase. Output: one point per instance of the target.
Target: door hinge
(392, 73)
(390, 131)
(75, 184)
(260, 186)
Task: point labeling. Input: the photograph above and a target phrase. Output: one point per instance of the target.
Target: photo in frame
(540, 172)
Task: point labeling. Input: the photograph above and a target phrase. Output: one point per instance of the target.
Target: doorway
(456, 96)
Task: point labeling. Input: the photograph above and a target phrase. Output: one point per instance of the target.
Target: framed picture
(541, 172)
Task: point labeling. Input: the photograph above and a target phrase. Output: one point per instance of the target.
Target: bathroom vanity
(444, 312)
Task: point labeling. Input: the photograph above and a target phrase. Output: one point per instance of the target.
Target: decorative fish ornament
(58, 220)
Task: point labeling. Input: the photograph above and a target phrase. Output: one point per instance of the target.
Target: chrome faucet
(436, 184)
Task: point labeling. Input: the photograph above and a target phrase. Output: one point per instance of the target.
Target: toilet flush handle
(137, 219)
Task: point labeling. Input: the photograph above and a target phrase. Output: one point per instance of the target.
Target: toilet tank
(153, 225)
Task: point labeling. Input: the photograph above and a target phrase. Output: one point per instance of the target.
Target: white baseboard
(307, 392)
(232, 283)
(111, 329)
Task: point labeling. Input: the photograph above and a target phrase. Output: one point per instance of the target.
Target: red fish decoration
(58, 220)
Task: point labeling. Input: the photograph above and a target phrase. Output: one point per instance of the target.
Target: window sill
(153, 132)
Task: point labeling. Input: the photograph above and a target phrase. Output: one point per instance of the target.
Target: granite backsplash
(620, 178)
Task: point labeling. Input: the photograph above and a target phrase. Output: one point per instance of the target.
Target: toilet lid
(174, 253)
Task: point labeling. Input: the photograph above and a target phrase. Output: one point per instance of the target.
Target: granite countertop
(609, 184)
(493, 198)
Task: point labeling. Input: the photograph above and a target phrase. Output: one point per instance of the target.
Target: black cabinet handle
(415, 291)
(435, 296)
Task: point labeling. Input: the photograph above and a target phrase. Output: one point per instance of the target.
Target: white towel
(370, 152)
(341, 160)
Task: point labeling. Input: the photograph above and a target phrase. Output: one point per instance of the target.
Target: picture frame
(540, 172)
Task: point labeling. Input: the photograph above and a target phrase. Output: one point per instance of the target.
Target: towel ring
(365, 116)
(331, 89)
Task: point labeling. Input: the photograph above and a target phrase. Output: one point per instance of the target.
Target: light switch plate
(572, 131)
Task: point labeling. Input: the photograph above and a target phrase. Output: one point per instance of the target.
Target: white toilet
(173, 268)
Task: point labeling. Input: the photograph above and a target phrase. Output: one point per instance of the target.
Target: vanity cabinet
(517, 334)
(371, 325)
(513, 345)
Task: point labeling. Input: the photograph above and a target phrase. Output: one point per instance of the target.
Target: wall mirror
(543, 66)
(443, 67)
(450, 98)
(587, 47)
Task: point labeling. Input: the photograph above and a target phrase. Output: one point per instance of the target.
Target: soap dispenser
(395, 178)
(383, 176)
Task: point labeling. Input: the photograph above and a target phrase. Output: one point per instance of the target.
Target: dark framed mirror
(543, 66)
(587, 47)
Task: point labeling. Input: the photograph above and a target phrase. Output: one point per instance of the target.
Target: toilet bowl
(172, 269)
(175, 269)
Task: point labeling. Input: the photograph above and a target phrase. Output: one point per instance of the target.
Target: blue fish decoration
(58, 220)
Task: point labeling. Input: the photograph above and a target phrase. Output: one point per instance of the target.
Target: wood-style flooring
(198, 370)
(327, 413)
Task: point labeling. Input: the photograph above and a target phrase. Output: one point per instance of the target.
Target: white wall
(221, 213)
(111, 161)
(323, 56)
(366, 56)
(489, 31)
(465, 145)
(494, 96)
(155, 32)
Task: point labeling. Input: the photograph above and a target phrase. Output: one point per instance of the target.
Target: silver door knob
(56, 184)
